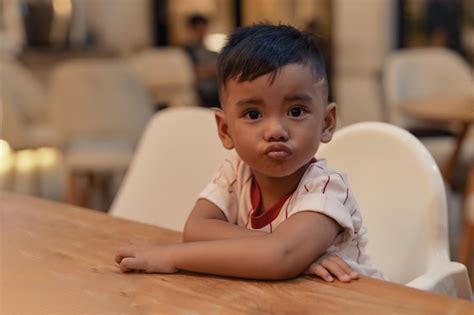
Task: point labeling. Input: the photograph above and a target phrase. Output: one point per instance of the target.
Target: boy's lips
(278, 151)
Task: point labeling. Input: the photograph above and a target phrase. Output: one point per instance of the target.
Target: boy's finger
(336, 270)
(130, 264)
(123, 253)
(344, 266)
(318, 270)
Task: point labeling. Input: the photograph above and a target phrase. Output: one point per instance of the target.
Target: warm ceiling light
(46, 157)
(25, 160)
(215, 42)
(62, 7)
(6, 156)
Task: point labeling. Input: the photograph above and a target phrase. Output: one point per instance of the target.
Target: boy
(273, 210)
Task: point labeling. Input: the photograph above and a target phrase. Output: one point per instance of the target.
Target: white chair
(425, 73)
(401, 196)
(98, 99)
(176, 157)
(167, 73)
(101, 110)
(25, 122)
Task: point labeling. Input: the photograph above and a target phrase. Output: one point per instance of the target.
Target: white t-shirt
(320, 190)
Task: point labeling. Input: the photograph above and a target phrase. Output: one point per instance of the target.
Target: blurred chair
(120, 27)
(101, 110)
(467, 245)
(401, 195)
(175, 159)
(423, 74)
(25, 122)
(167, 73)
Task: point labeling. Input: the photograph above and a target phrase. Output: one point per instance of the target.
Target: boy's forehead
(295, 76)
(296, 68)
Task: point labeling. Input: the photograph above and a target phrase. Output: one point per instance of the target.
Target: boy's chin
(277, 171)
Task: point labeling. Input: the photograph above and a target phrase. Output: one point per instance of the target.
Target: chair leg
(79, 188)
(71, 190)
(87, 190)
(467, 246)
(105, 190)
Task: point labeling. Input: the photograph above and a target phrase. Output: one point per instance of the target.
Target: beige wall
(12, 33)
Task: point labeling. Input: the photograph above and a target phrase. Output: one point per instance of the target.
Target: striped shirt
(321, 189)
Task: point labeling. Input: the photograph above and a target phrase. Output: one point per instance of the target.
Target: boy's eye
(253, 114)
(296, 112)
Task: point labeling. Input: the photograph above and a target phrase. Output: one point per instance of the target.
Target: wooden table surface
(57, 258)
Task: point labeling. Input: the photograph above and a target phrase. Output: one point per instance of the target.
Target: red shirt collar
(259, 220)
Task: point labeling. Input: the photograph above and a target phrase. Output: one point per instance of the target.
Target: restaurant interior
(102, 100)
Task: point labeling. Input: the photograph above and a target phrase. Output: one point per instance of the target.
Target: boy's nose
(275, 131)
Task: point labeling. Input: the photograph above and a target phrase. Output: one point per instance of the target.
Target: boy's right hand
(328, 266)
(146, 258)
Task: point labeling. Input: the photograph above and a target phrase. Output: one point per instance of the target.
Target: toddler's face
(276, 127)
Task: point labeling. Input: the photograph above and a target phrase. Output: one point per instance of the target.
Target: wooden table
(57, 258)
(459, 111)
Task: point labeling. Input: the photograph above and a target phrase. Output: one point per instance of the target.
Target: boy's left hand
(146, 258)
(331, 265)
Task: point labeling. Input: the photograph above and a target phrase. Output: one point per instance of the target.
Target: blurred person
(272, 211)
(204, 61)
(443, 24)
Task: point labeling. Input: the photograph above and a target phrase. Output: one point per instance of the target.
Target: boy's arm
(208, 223)
(286, 253)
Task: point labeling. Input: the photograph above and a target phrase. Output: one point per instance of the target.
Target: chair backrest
(400, 193)
(20, 88)
(98, 99)
(423, 73)
(175, 159)
(168, 72)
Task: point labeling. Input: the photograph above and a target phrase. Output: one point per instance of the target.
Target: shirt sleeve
(221, 190)
(327, 194)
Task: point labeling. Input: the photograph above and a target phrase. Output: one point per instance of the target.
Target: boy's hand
(146, 258)
(332, 265)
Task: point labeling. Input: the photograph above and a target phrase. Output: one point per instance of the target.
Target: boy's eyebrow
(250, 101)
(291, 97)
(298, 97)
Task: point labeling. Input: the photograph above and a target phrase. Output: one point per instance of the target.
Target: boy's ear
(223, 130)
(329, 123)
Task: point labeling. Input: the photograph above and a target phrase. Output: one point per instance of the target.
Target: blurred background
(81, 78)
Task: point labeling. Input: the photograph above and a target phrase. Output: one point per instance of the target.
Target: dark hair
(197, 19)
(257, 50)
